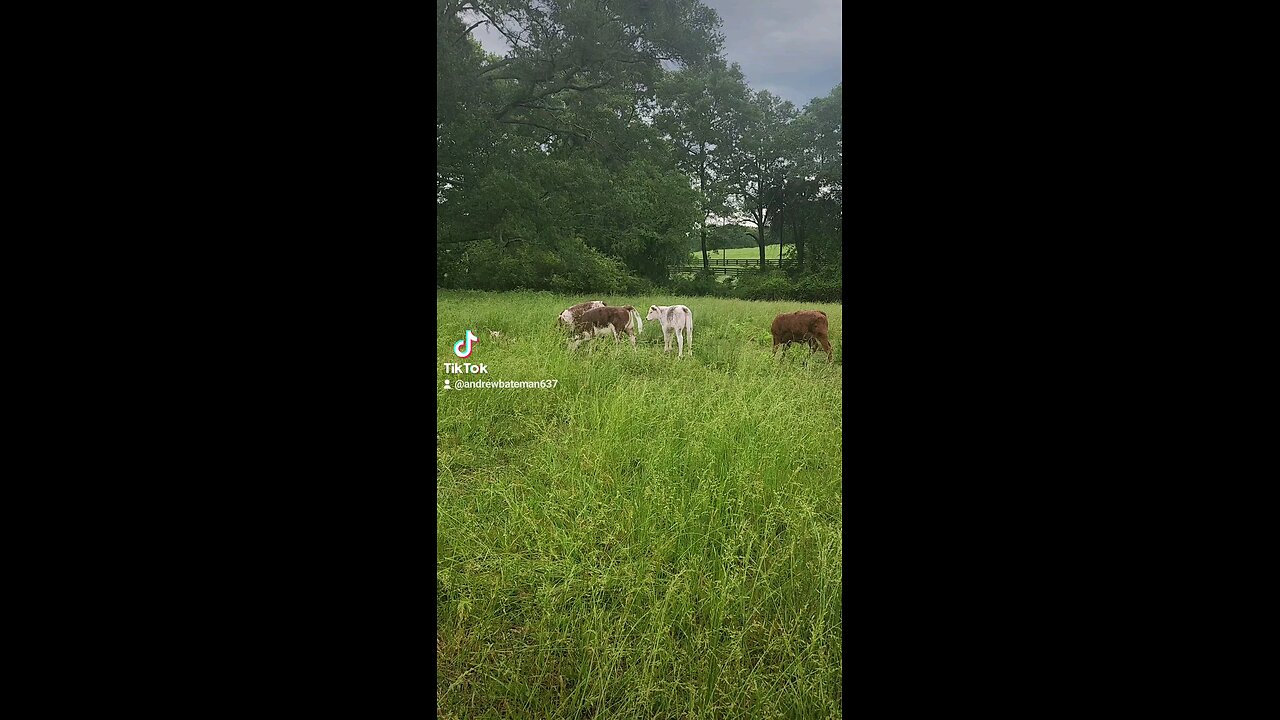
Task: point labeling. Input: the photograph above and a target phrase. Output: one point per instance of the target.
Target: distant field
(654, 537)
(751, 253)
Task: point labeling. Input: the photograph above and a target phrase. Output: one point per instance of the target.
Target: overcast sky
(791, 49)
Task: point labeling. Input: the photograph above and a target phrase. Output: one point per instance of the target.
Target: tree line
(611, 140)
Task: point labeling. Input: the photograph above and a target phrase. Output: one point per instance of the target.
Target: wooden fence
(730, 266)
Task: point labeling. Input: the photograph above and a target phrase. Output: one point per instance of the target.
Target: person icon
(446, 383)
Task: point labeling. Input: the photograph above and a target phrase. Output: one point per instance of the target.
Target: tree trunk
(761, 238)
(815, 251)
(797, 241)
(780, 216)
(795, 238)
(782, 223)
(760, 217)
(702, 190)
(706, 264)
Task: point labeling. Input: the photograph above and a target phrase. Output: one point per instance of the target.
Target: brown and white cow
(806, 326)
(566, 317)
(606, 321)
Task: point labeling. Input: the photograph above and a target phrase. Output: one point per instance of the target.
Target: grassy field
(654, 537)
(750, 253)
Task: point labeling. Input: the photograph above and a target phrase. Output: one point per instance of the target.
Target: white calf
(673, 319)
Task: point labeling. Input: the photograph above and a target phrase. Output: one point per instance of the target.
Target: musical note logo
(457, 347)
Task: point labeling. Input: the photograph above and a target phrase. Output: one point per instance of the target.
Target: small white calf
(673, 319)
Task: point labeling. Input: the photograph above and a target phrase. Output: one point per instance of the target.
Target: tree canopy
(610, 139)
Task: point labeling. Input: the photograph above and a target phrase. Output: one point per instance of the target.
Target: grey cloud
(791, 49)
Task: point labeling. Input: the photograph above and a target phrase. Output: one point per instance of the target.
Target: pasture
(771, 252)
(654, 537)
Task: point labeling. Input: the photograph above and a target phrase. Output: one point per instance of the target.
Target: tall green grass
(655, 537)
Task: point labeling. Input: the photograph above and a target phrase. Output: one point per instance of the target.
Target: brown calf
(605, 321)
(566, 317)
(807, 326)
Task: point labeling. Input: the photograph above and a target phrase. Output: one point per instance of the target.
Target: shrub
(771, 284)
(567, 266)
(702, 283)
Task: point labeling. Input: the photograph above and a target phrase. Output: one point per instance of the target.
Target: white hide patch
(677, 320)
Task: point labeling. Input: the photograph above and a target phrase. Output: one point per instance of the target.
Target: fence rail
(715, 269)
(747, 262)
(729, 266)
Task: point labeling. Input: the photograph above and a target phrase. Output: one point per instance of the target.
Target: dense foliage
(613, 139)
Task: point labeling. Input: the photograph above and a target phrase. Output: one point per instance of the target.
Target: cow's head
(653, 313)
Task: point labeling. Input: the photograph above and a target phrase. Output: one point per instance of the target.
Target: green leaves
(578, 135)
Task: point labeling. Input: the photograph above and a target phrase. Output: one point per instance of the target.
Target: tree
(760, 162)
(824, 171)
(560, 48)
(810, 181)
(577, 161)
(699, 111)
(547, 146)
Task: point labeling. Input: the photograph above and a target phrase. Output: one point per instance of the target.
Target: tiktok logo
(458, 349)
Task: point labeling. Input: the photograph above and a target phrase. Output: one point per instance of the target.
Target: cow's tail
(688, 330)
(635, 316)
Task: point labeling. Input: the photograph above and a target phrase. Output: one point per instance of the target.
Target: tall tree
(761, 162)
(565, 47)
(700, 112)
(547, 143)
(811, 178)
(824, 165)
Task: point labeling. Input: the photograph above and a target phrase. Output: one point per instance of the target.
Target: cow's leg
(632, 333)
(666, 339)
(826, 345)
(680, 342)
